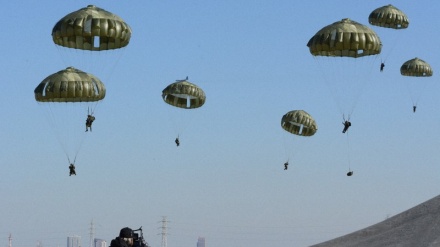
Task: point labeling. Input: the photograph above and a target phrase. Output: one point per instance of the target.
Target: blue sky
(226, 181)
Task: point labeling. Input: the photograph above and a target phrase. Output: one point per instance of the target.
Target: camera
(138, 238)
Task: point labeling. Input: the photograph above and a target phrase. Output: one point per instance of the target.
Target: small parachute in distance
(184, 94)
(70, 85)
(299, 122)
(93, 29)
(345, 38)
(389, 17)
(416, 67)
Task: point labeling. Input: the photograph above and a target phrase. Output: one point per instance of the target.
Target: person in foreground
(125, 238)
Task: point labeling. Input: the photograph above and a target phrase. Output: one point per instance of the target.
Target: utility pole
(164, 231)
(10, 240)
(92, 233)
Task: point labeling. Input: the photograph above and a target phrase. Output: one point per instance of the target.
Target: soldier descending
(347, 125)
(89, 122)
(381, 66)
(286, 165)
(177, 141)
(72, 170)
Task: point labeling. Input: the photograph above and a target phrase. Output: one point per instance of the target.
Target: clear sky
(226, 181)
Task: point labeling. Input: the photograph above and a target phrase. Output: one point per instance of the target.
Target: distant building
(100, 243)
(74, 241)
(201, 242)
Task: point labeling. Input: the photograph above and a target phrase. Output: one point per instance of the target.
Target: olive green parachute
(70, 85)
(389, 17)
(299, 122)
(82, 28)
(345, 38)
(416, 67)
(184, 94)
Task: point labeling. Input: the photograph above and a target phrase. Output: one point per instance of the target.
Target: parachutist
(347, 125)
(286, 165)
(72, 170)
(414, 108)
(177, 141)
(89, 122)
(350, 173)
(381, 66)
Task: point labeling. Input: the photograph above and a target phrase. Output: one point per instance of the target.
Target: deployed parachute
(415, 68)
(389, 17)
(345, 52)
(345, 38)
(299, 122)
(183, 95)
(70, 85)
(68, 96)
(91, 28)
(92, 39)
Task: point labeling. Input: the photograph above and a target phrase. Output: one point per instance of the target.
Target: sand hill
(416, 227)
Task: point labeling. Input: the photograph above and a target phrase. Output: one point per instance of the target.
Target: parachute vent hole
(301, 129)
(44, 89)
(95, 87)
(96, 41)
(88, 24)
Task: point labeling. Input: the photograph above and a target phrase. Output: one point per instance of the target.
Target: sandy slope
(416, 227)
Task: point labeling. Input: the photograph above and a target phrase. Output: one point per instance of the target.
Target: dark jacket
(118, 242)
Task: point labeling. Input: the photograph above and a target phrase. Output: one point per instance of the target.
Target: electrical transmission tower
(164, 231)
(92, 233)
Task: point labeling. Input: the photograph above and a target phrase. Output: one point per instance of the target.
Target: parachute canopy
(70, 85)
(345, 38)
(416, 67)
(388, 16)
(184, 94)
(299, 122)
(91, 28)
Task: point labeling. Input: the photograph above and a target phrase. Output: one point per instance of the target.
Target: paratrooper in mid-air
(177, 141)
(72, 170)
(347, 125)
(89, 122)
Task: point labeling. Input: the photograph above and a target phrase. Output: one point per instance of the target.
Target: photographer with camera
(128, 238)
(125, 238)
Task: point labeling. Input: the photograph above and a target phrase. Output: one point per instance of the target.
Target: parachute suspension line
(52, 119)
(288, 147)
(116, 57)
(327, 79)
(368, 65)
(348, 153)
(394, 44)
(417, 92)
(79, 147)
